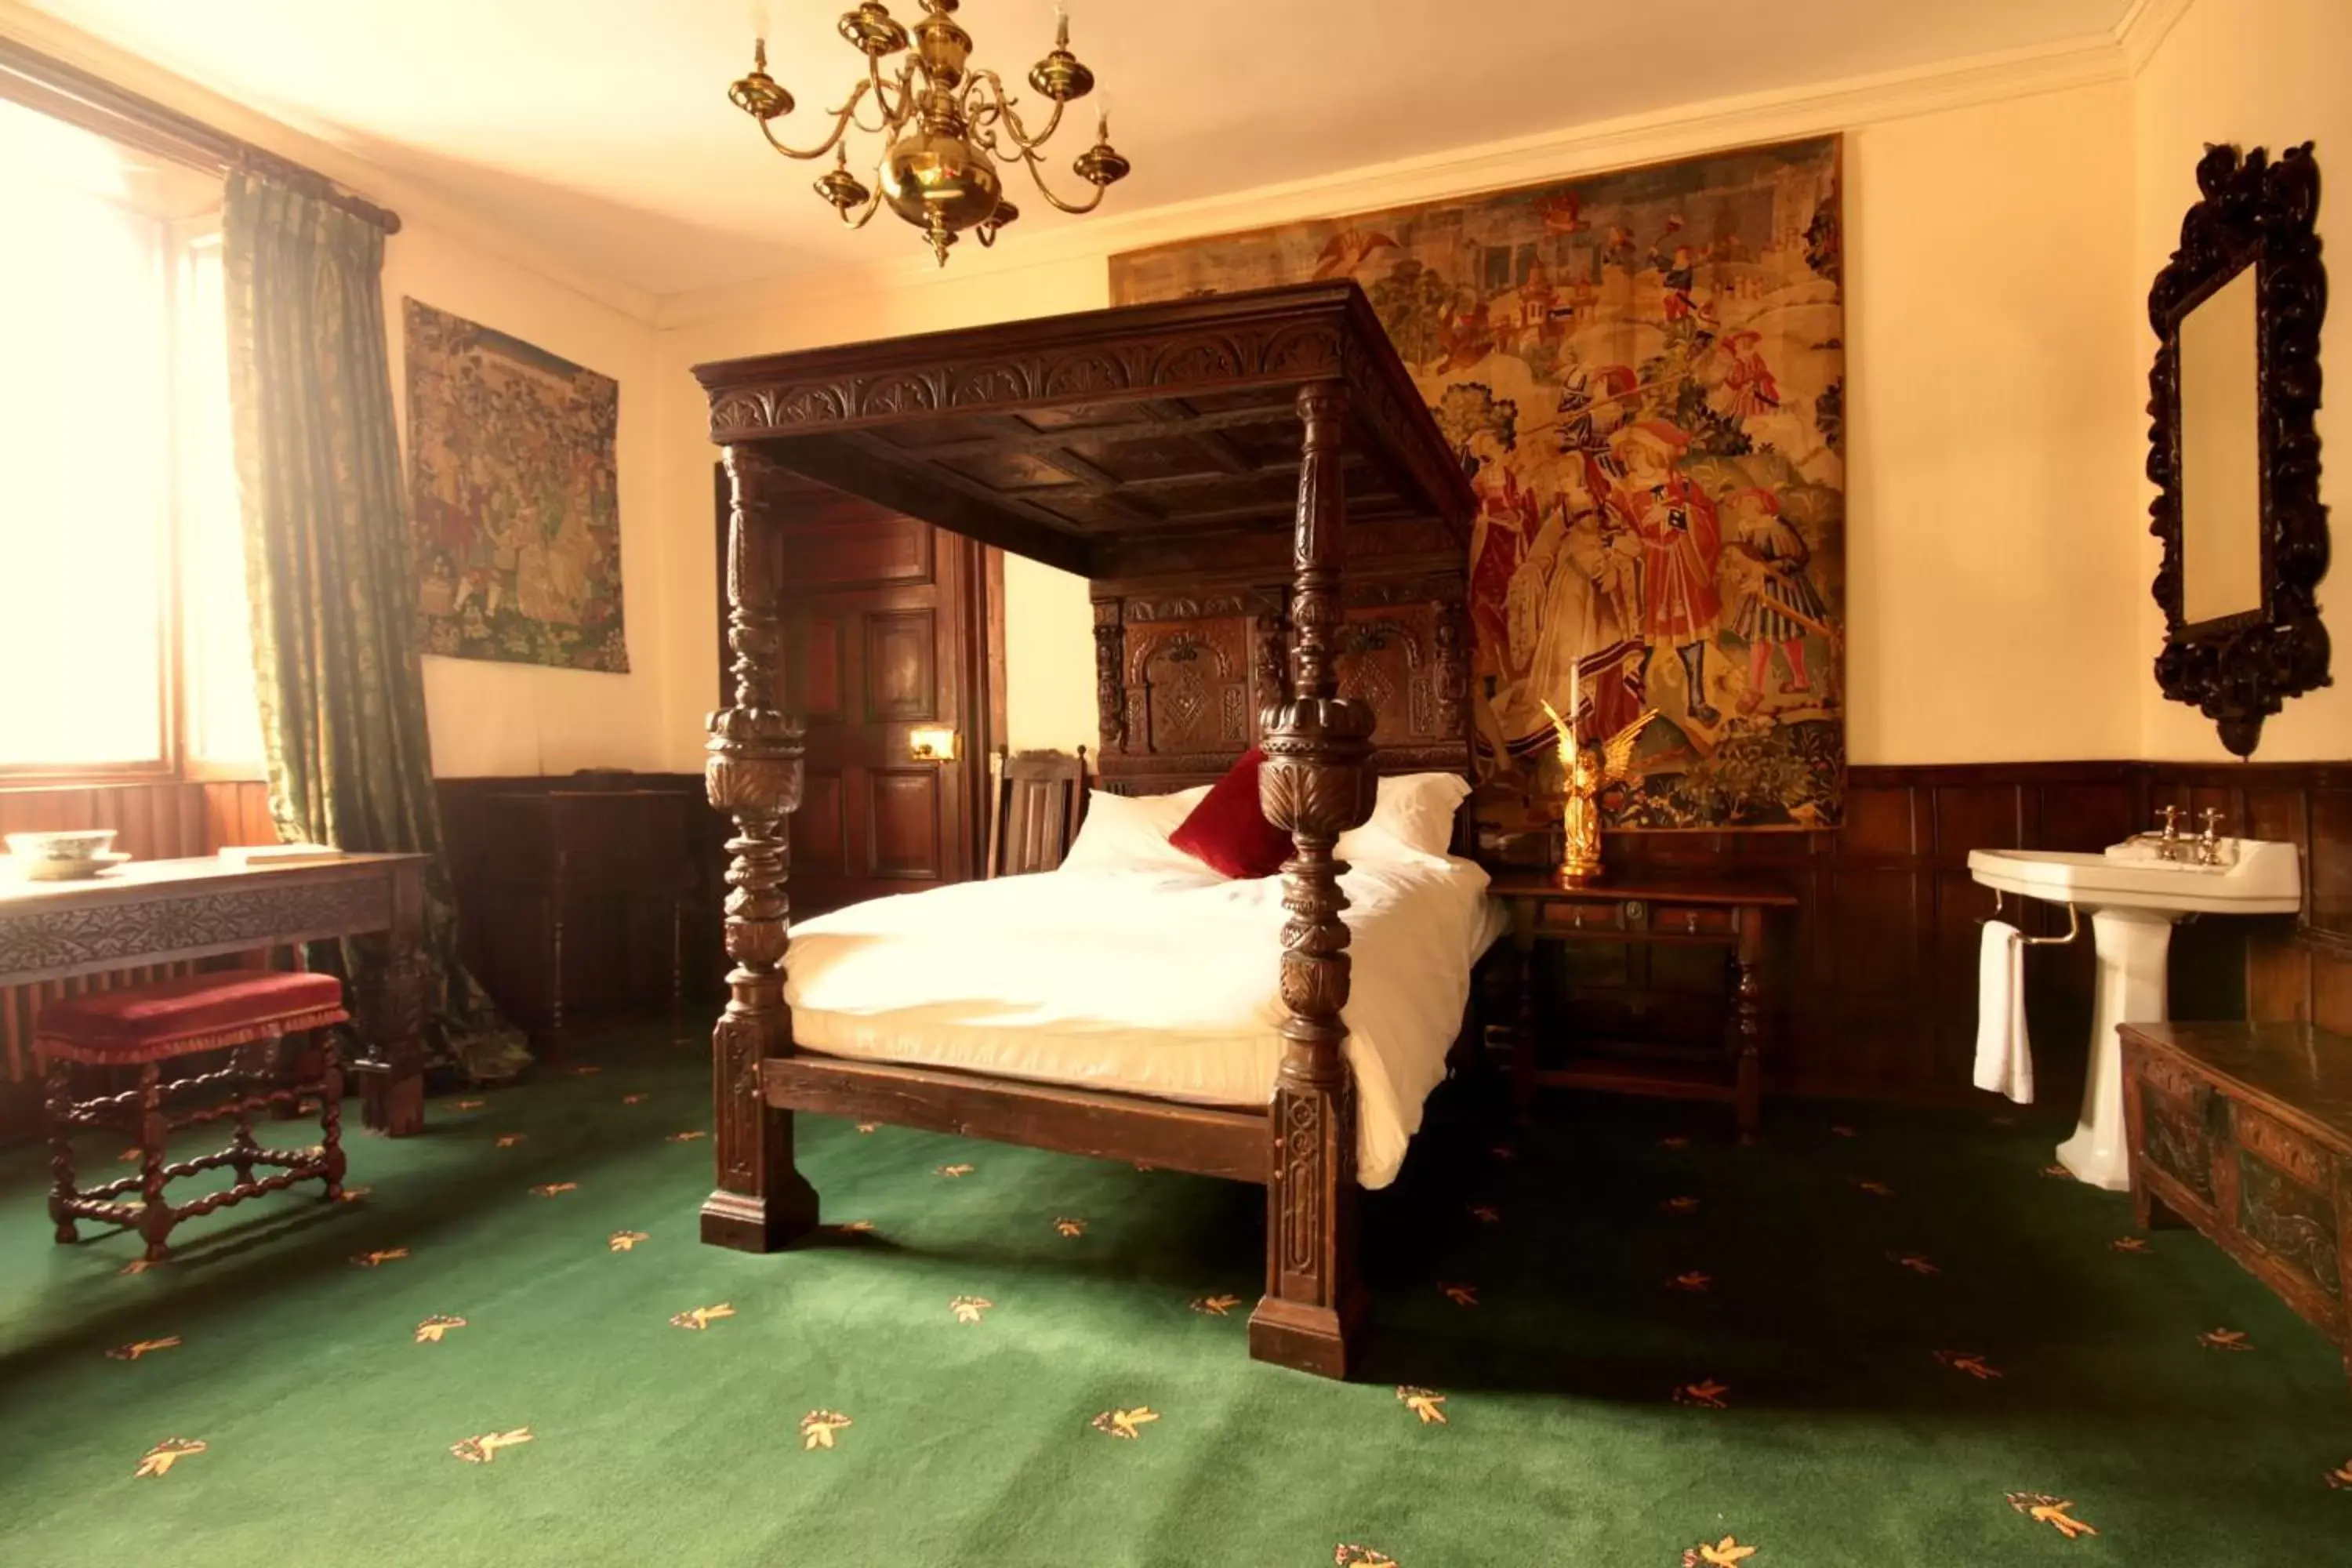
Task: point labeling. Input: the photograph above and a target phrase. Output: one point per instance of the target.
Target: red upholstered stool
(147, 1025)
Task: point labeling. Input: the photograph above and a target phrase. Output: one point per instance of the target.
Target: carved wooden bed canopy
(1276, 537)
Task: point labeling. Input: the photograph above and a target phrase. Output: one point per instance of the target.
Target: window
(124, 641)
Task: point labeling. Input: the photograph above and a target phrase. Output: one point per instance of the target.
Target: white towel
(2004, 1054)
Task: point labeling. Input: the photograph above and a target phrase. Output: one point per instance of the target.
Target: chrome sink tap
(2209, 843)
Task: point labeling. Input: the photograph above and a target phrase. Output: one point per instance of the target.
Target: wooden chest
(2244, 1131)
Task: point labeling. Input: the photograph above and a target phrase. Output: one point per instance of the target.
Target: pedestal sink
(2133, 903)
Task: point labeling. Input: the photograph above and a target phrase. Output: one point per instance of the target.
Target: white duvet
(1158, 980)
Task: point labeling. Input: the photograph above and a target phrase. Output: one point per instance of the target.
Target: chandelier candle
(945, 127)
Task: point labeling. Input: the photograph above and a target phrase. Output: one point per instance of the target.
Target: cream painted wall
(1991, 411)
(508, 719)
(2262, 73)
(488, 717)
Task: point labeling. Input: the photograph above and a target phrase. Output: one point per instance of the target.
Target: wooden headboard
(1187, 658)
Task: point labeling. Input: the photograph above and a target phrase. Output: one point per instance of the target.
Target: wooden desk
(168, 911)
(1657, 910)
(2244, 1131)
(580, 899)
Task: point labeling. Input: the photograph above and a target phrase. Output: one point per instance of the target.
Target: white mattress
(1160, 982)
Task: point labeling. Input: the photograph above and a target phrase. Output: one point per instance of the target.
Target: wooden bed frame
(1278, 537)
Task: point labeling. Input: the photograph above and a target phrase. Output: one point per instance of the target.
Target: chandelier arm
(1003, 108)
(842, 117)
(873, 203)
(1030, 158)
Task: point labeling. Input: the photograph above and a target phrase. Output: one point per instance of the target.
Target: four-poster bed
(1275, 535)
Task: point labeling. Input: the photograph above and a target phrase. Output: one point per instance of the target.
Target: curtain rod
(69, 93)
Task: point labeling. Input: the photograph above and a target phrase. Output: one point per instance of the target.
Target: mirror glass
(2220, 455)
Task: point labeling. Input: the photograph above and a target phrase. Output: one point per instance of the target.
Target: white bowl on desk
(63, 857)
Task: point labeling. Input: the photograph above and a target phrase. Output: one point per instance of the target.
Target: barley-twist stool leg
(156, 1218)
(61, 1166)
(330, 1112)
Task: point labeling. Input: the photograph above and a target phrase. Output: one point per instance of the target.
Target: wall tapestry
(512, 497)
(1644, 375)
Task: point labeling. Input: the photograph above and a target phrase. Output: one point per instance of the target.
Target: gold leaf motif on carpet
(1128, 1424)
(471, 1104)
(2128, 1243)
(692, 1135)
(380, 1257)
(1705, 1394)
(1425, 1403)
(2340, 1479)
(967, 1308)
(818, 1426)
(160, 1458)
(484, 1449)
(1725, 1553)
(430, 1332)
(626, 1240)
(633, 1099)
(1350, 1555)
(1694, 1282)
(1684, 1205)
(1876, 1189)
(1460, 1295)
(1914, 1262)
(352, 1194)
(1674, 1141)
(1215, 1306)
(2044, 1509)
(1970, 1362)
(512, 1140)
(140, 1266)
(1068, 1227)
(2225, 1340)
(953, 1172)
(700, 1318)
(554, 1189)
(138, 1348)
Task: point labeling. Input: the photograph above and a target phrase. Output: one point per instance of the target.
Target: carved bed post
(1314, 783)
(753, 768)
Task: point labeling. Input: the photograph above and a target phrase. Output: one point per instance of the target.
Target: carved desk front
(167, 912)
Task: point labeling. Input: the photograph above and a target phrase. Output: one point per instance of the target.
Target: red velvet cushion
(1228, 832)
(193, 1012)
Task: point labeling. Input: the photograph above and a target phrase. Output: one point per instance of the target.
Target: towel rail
(2074, 926)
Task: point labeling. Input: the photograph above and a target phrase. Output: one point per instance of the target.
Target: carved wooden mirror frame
(2240, 668)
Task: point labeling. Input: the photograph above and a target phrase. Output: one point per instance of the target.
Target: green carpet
(1621, 1377)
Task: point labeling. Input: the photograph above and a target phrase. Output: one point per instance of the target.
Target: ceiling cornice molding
(1779, 115)
(418, 202)
(2144, 27)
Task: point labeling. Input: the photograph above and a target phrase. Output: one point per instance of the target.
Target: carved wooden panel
(2174, 1138)
(1188, 685)
(2294, 1224)
(901, 666)
(903, 823)
(46, 940)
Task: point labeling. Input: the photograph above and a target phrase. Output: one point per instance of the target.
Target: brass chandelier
(945, 128)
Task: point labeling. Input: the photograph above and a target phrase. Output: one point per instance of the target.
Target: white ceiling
(602, 128)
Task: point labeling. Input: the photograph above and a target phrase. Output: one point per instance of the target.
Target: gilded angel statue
(1589, 769)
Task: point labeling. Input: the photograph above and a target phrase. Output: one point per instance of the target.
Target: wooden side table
(1661, 910)
(2244, 1131)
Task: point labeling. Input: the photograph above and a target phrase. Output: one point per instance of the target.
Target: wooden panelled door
(885, 631)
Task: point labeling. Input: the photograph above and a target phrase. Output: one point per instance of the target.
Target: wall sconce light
(932, 744)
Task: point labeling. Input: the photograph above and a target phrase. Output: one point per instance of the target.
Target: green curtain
(329, 572)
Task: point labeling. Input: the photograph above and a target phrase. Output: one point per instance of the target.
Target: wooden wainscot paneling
(155, 821)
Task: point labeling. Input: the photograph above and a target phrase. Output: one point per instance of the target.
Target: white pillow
(1122, 832)
(1413, 812)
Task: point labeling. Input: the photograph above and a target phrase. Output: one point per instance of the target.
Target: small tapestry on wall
(512, 497)
(1642, 373)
